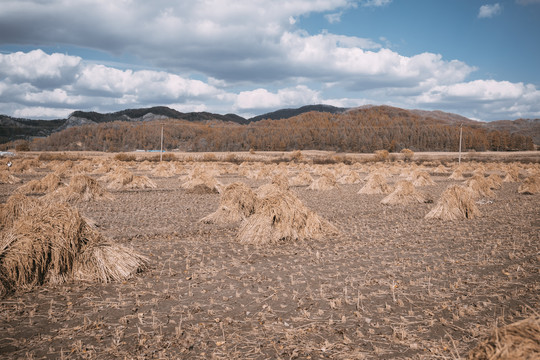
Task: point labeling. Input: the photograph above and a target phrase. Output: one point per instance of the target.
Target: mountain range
(17, 128)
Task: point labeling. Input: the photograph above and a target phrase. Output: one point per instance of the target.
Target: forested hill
(355, 130)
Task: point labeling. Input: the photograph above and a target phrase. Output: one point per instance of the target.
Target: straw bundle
(104, 168)
(80, 188)
(327, 181)
(281, 216)
(480, 186)
(118, 174)
(25, 166)
(405, 193)
(164, 170)
(376, 184)
(530, 185)
(63, 168)
(456, 202)
(520, 340)
(457, 174)
(420, 178)
(122, 179)
(46, 184)
(281, 180)
(494, 181)
(512, 175)
(377, 172)
(15, 206)
(302, 179)
(7, 178)
(441, 169)
(237, 203)
(53, 243)
(202, 184)
(351, 178)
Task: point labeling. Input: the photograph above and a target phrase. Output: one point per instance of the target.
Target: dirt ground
(390, 285)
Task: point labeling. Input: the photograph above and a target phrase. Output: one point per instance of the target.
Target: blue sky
(475, 58)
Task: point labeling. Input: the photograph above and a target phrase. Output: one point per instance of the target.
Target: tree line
(360, 130)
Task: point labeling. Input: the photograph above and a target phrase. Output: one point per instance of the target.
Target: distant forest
(360, 130)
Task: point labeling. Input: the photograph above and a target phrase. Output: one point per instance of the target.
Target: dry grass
(351, 178)
(280, 216)
(237, 203)
(280, 179)
(7, 178)
(405, 193)
(202, 184)
(530, 185)
(457, 174)
(53, 243)
(303, 178)
(164, 169)
(123, 179)
(80, 188)
(16, 206)
(327, 181)
(47, 184)
(456, 202)
(480, 186)
(520, 340)
(376, 184)
(391, 285)
(420, 178)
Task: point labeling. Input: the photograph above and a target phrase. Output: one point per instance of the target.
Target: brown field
(390, 284)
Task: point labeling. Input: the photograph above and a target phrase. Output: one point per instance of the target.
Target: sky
(479, 59)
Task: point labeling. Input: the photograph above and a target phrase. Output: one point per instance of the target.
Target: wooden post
(460, 136)
(161, 149)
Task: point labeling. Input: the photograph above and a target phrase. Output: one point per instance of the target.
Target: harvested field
(389, 284)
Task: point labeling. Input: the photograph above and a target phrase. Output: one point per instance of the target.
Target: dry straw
(237, 203)
(512, 174)
(351, 178)
(405, 193)
(456, 202)
(376, 184)
(280, 216)
(327, 181)
(495, 181)
(480, 186)
(303, 178)
(530, 185)
(53, 243)
(420, 178)
(122, 179)
(280, 179)
(457, 174)
(15, 206)
(7, 178)
(47, 184)
(81, 188)
(202, 184)
(164, 169)
(520, 340)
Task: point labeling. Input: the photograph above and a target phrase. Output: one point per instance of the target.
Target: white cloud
(81, 85)
(37, 66)
(351, 60)
(42, 112)
(264, 99)
(485, 99)
(376, 3)
(334, 17)
(489, 11)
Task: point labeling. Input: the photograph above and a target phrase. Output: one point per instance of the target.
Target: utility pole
(460, 137)
(161, 149)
